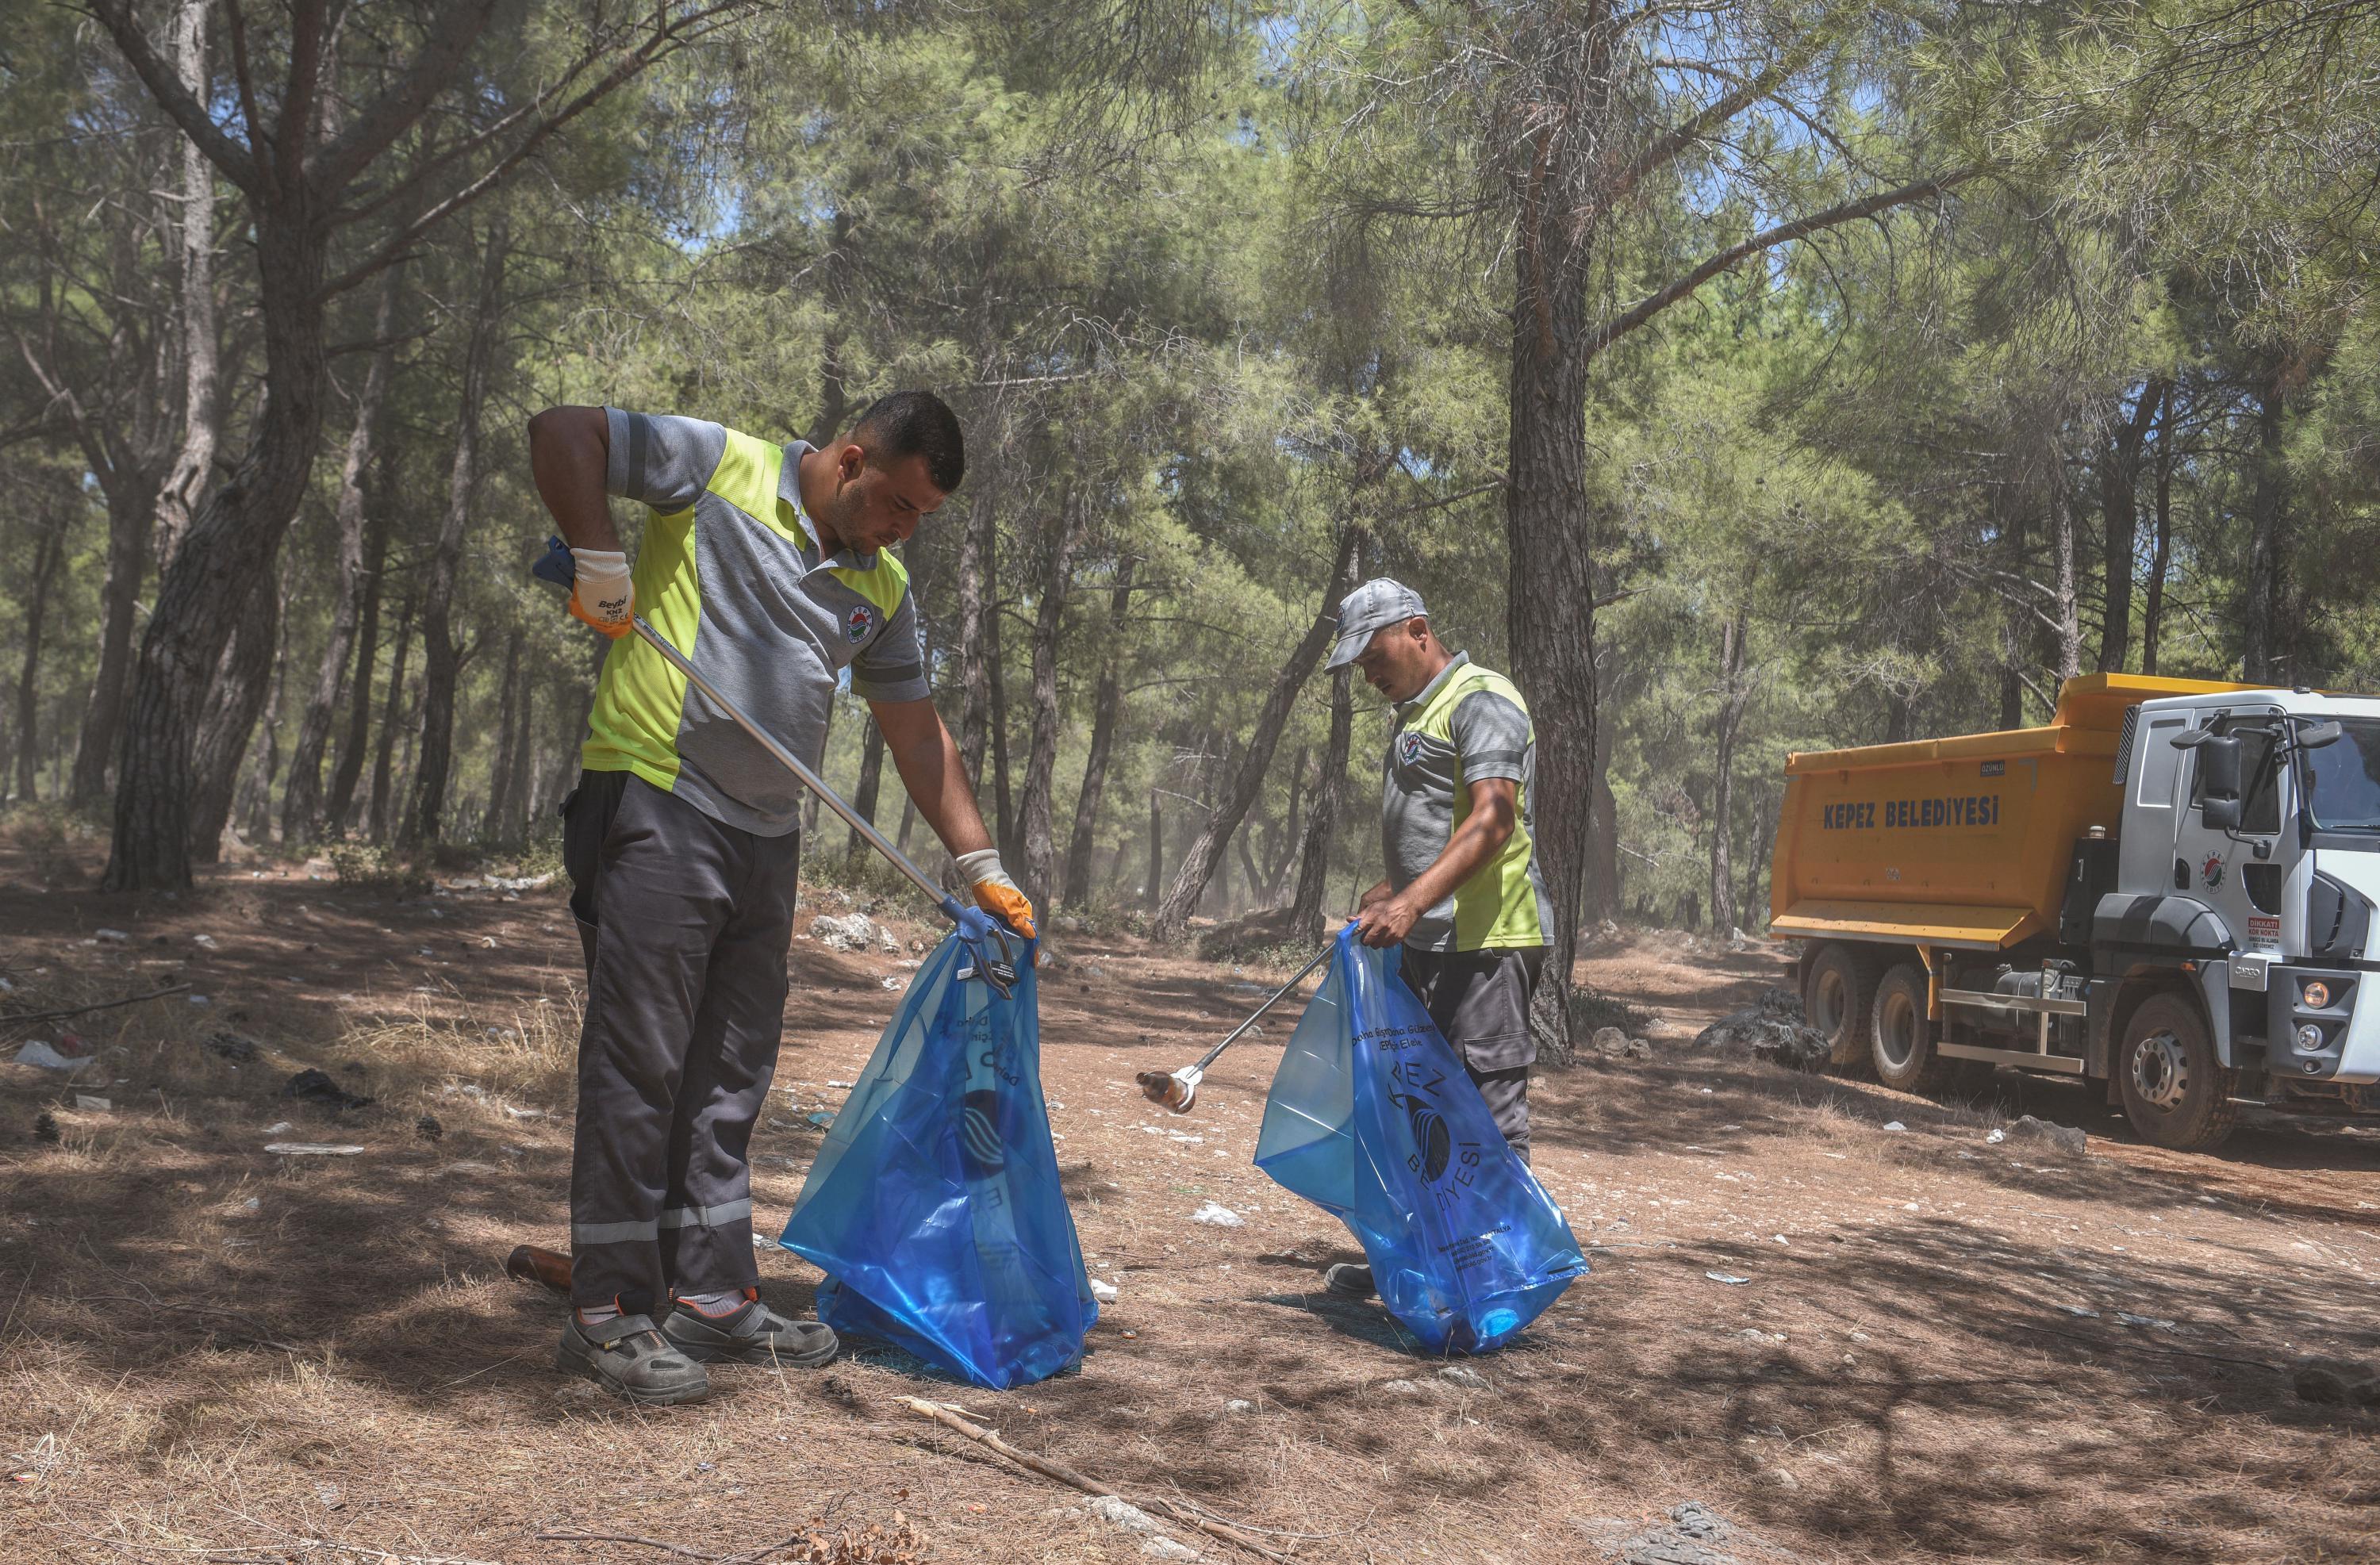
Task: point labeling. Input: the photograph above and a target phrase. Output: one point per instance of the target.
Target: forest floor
(1806, 1337)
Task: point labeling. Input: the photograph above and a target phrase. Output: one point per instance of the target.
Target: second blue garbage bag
(1373, 1119)
(934, 1207)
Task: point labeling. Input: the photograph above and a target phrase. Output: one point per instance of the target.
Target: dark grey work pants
(686, 924)
(1480, 1001)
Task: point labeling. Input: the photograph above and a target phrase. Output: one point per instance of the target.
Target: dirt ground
(1807, 1335)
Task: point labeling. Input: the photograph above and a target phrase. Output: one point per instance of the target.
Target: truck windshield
(2345, 777)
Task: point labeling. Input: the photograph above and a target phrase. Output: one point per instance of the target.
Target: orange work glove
(600, 591)
(995, 893)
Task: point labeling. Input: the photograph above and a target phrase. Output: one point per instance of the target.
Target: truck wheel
(1902, 1038)
(1837, 991)
(2176, 1092)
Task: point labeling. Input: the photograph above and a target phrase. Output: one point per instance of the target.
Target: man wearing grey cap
(1462, 893)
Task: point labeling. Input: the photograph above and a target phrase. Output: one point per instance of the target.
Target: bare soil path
(1940, 1348)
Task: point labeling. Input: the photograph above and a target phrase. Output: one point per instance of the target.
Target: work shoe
(1348, 1280)
(626, 1355)
(753, 1334)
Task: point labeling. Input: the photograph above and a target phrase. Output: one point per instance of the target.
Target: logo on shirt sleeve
(858, 622)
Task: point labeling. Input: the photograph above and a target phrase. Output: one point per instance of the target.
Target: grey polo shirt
(732, 572)
(1467, 725)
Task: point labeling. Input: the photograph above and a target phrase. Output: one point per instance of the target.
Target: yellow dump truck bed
(1963, 841)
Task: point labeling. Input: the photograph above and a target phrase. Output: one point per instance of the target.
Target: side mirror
(2315, 736)
(2219, 782)
(2190, 738)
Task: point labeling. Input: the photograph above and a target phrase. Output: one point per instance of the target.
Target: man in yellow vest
(769, 567)
(1463, 894)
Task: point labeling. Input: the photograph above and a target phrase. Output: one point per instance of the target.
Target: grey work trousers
(1480, 1001)
(686, 922)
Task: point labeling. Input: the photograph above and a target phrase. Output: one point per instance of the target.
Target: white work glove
(600, 593)
(995, 893)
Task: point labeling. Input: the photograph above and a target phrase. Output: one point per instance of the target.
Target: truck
(2167, 892)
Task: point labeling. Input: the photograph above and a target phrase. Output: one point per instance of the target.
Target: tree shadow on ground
(2047, 1413)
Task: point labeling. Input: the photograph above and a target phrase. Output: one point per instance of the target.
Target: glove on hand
(600, 593)
(995, 893)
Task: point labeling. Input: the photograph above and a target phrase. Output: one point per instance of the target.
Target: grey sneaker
(1348, 1280)
(754, 1334)
(628, 1356)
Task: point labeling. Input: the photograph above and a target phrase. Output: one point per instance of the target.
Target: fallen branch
(1060, 1472)
(81, 1010)
(808, 1538)
(624, 1538)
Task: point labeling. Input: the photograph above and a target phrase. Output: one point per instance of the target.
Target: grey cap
(1376, 605)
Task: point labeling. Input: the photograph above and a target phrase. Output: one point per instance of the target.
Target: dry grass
(204, 1348)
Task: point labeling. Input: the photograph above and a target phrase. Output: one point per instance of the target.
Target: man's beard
(842, 518)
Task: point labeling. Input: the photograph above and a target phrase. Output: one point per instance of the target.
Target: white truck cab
(2251, 849)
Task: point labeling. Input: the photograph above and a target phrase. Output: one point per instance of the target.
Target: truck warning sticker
(2264, 928)
(1868, 814)
(1995, 769)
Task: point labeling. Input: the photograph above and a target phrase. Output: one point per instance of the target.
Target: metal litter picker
(1178, 1090)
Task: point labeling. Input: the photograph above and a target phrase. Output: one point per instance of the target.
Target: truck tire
(2176, 1092)
(1837, 990)
(1901, 1037)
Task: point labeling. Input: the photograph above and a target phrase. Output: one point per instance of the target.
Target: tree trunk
(186, 481)
(1734, 694)
(516, 825)
(1155, 852)
(2016, 627)
(301, 805)
(340, 805)
(1249, 876)
(131, 516)
(391, 719)
(1040, 876)
(834, 398)
(2260, 618)
(1305, 916)
(1004, 825)
(1107, 704)
(1600, 899)
(2153, 611)
(1765, 803)
(503, 776)
(977, 546)
(49, 560)
(2065, 600)
(871, 782)
(227, 719)
(230, 546)
(441, 660)
(1549, 534)
(255, 809)
(2120, 512)
(1281, 841)
(1206, 849)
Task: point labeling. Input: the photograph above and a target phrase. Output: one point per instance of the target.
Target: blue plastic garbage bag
(1372, 1118)
(934, 1207)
